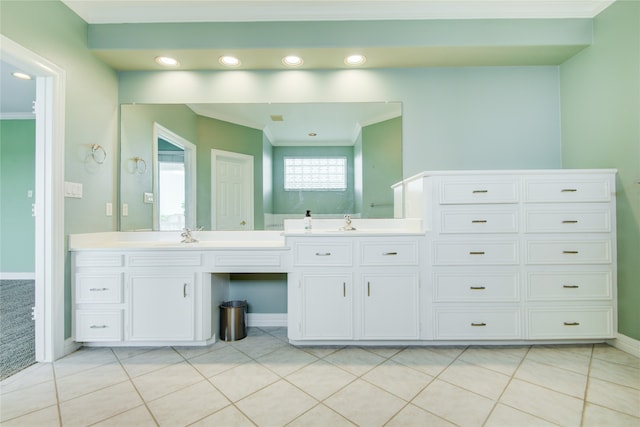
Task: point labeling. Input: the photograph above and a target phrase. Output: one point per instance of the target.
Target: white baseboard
(267, 319)
(17, 276)
(70, 346)
(626, 344)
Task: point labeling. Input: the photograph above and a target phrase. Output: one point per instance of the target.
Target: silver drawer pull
(98, 327)
(570, 252)
(480, 191)
(478, 324)
(98, 289)
(323, 253)
(570, 286)
(477, 288)
(570, 221)
(568, 190)
(479, 221)
(389, 253)
(476, 253)
(571, 323)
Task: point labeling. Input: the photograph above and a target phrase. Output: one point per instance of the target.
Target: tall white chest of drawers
(518, 255)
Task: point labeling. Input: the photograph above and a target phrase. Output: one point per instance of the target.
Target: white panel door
(233, 190)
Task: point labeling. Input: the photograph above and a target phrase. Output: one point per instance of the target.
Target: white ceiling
(137, 11)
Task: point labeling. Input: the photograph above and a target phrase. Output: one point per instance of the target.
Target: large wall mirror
(250, 166)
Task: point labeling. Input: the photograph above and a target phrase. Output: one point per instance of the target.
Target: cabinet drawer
(553, 286)
(474, 286)
(330, 254)
(487, 323)
(568, 221)
(479, 253)
(571, 322)
(248, 260)
(173, 259)
(98, 288)
(390, 253)
(568, 189)
(479, 191)
(479, 222)
(88, 259)
(93, 325)
(569, 252)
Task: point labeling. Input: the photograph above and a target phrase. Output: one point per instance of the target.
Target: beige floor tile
(597, 416)
(138, 417)
(48, 417)
(398, 379)
(276, 405)
(544, 403)
(614, 355)
(286, 360)
(239, 382)
(259, 345)
(34, 374)
(475, 378)
(320, 416)
(82, 360)
(321, 351)
(218, 361)
(501, 359)
(424, 360)
(503, 415)
(412, 416)
(150, 361)
(557, 379)
(88, 381)
(99, 405)
(123, 353)
(321, 379)
(278, 332)
(166, 380)
(25, 400)
(229, 416)
(615, 373)
(571, 358)
(614, 396)
(385, 352)
(364, 404)
(188, 405)
(195, 351)
(355, 360)
(454, 404)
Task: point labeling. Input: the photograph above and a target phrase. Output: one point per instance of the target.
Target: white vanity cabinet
(354, 288)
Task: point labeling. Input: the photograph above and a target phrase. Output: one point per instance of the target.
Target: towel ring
(98, 154)
(141, 165)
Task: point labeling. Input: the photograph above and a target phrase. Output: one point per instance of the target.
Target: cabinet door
(327, 306)
(390, 306)
(161, 307)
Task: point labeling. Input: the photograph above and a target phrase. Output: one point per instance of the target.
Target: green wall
(17, 177)
(318, 202)
(600, 91)
(381, 166)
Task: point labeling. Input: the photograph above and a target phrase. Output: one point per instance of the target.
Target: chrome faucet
(187, 237)
(347, 223)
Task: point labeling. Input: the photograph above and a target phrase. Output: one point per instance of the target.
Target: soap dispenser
(307, 221)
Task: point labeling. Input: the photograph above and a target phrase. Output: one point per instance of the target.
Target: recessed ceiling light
(229, 61)
(292, 61)
(166, 61)
(355, 60)
(19, 75)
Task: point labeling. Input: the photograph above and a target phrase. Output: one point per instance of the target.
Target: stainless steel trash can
(233, 320)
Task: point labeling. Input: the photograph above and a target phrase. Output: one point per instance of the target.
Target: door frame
(50, 249)
(247, 164)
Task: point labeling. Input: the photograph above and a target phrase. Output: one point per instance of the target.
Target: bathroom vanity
(480, 257)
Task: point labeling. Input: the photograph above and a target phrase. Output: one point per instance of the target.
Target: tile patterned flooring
(264, 381)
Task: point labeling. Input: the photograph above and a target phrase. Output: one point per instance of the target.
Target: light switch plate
(73, 189)
(148, 198)
(125, 209)
(109, 209)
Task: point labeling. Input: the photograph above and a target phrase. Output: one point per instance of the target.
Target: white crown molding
(156, 11)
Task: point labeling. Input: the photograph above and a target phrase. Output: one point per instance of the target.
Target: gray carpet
(17, 329)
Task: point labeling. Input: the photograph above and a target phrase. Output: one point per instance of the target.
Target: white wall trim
(17, 276)
(17, 116)
(70, 346)
(267, 319)
(626, 344)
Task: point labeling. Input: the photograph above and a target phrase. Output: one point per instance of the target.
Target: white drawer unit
(568, 220)
(478, 323)
(571, 322)
(569, 252)
(479, 191)
(167, 259)
(98, 259)
(98, 325)
(569, 285)
(478, 221)
(389, 253)
(98, 288)
(485, 252)
(474, 286)
(572, 189)
(318, 253)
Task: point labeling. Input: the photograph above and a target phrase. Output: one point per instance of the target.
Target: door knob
(243, 222)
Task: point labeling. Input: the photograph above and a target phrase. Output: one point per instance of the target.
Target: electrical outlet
(125, 209)
(109, 209)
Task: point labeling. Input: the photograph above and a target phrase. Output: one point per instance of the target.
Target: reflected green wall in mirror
(375, 164)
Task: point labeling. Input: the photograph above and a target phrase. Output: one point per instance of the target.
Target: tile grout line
(586, 386)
